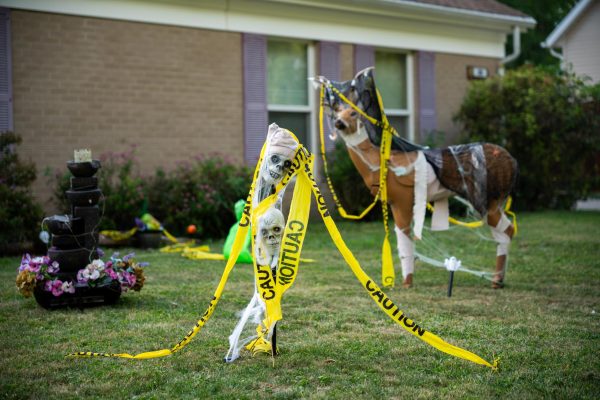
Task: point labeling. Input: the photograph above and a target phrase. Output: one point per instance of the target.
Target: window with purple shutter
(255, 95)
(427, 117)
(364, 56)
(6, 111)
(329, 67)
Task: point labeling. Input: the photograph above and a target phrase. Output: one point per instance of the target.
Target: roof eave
(564, 25)
(426, 11)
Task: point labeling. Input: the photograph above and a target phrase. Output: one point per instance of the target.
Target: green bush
(549, 122)
(21, 216)
(123, 188)
(348, 184)
(202, 193)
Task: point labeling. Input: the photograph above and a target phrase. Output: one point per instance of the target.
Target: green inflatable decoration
(245, 256)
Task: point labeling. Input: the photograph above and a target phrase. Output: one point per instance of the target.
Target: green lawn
(334, 340)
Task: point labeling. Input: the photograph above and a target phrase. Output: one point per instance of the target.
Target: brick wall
(451, 86)
(105, 85)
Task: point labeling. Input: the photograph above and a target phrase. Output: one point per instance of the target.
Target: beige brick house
(188, 77)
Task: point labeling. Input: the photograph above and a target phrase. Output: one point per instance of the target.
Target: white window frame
(310, 108)
(409, 110)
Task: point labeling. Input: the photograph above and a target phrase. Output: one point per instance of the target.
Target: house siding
(581, 45)
(451, 85)
(83, 82)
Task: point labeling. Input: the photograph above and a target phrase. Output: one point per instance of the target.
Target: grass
(334, 341)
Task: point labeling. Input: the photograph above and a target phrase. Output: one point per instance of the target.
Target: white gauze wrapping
(254, 312)
(406, 251)
(500, 236)
(420, 194)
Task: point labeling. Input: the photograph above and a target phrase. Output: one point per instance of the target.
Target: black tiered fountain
(74, 240)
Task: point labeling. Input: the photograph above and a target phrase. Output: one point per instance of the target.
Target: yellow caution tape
(119, 236)
(271, 289)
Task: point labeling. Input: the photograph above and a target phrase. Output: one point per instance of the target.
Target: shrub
(20, 214)
(550, 124)
(348, 184)
(122, 188)
(202, 193)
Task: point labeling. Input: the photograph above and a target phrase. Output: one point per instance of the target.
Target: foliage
(547, 15)
(19, 213)
(348, 184)
(548, 122)
(123, 189)
(334, 341)
(202, 192)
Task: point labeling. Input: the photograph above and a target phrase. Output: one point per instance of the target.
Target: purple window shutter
(330, 68)
(427, 117)
(364, 56)
(6, 106)
(255, 95)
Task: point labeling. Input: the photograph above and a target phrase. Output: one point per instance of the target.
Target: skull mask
(276, 166)
(270, 231)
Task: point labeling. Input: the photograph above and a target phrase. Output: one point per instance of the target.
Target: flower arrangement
(42, 272)
(129, 273)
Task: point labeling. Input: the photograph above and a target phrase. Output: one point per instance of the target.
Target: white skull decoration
(270, 232)
(280, 152)
(276, 166)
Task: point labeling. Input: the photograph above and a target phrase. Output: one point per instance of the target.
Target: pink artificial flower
(57, 287)
(111, 272)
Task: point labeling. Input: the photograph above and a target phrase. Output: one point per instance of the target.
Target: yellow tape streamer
(119, 236)
(388, 275)
(271, 290)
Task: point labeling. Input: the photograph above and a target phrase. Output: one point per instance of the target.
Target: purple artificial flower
(128, 256)
(143, 264)
(100, 252)
(48, 286)
(80, 277)
(53, 268)
(25, 262)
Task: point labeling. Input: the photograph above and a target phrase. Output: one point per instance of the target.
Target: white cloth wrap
(499, 234)
(420, 194)
(406, 251)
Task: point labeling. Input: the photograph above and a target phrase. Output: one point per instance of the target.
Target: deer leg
(502, 231)
(402, 214)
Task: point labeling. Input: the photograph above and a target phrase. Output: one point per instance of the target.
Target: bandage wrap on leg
(406, 251)
(499, 234)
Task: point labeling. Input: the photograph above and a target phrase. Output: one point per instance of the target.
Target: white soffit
(427, 29)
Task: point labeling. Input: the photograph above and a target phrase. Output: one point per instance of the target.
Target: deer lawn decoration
(482, 173)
